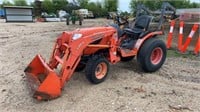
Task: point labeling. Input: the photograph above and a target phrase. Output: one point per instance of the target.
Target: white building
(18, 14)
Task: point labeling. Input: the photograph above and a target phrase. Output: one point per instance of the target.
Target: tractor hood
(93, 30)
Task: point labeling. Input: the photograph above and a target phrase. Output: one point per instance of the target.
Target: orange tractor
(93, 49)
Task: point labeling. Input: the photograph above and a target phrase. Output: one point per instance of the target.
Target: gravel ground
(174, 88)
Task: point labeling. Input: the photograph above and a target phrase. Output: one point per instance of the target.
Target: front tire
(97, 69)
(152, 55)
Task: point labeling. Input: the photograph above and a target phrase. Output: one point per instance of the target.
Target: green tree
(180, 3)
(111, 5)
(96, 8)
(156, 4)
(37, 7)
(59, 4)
(83, 3)
(195, 5)
(20, 3)
(91, 6)
(70, 7)
(6, 3)
(101, 11)
(47, 6)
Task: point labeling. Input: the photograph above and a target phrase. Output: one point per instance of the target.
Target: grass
(175, 53)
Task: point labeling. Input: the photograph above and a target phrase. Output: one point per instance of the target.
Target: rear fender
(141, 41)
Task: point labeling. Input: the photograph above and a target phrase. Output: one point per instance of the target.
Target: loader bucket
(42, 80)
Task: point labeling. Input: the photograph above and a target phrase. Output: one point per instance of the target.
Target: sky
(123, 4)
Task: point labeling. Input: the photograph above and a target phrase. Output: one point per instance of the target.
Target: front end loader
(70, 47)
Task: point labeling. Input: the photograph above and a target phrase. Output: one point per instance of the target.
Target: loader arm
(72, 57)
(69, 53)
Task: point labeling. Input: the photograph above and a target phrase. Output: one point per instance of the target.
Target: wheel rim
(101, 70)
(156, 56)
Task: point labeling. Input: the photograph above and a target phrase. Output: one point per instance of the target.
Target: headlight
(76, 36)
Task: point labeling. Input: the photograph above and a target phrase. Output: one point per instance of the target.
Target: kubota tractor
(94, 49)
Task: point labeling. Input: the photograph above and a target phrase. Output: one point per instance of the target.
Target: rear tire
(152, 55)
(97, 69)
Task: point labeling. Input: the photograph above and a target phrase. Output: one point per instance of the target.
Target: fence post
(169, 38)
(180, 37)
(197, 48)
(189, 38)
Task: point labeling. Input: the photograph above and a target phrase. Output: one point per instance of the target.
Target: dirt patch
(175, 87)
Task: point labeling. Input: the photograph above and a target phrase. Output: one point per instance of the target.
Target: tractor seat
(141, 25)
(133, 31)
